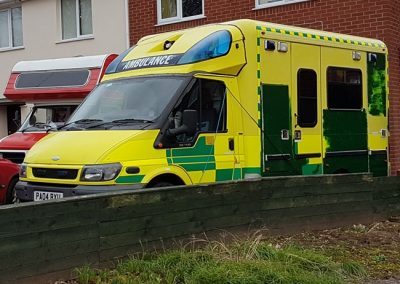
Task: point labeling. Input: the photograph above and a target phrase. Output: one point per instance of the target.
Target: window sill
(181, 20)
(6, 49)
(264, 6)
(75, 39)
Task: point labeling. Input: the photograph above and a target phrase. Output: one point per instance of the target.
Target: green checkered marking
(197, 158)
(306, 35)
(228, 174)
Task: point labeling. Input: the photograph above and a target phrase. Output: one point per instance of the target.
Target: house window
(272, 3)
(76, 17)
(11, 28)
(344, 88)
(179, 10)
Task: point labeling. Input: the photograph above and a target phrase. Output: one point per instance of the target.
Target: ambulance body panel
(229, 101)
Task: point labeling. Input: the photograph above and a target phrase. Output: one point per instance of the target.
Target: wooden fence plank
(46, 237)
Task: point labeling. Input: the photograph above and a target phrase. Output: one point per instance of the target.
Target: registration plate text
(44, 195)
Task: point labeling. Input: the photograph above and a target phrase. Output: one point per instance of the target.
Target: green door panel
(278, 152)
(345, 130)
(346, 136)
(276, 116)
(377, 86)
(378, 163)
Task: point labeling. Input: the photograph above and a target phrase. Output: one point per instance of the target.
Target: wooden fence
(46, 240)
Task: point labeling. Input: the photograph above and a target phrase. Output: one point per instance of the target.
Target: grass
(238, 261)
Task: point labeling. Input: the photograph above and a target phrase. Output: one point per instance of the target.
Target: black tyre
(11, 196)
(341, 171)
(161, 184)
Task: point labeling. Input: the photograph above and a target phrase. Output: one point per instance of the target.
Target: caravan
(52, 89)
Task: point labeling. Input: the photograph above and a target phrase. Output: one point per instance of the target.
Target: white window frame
(179, 17)
(10, 31)
(78, 25)
(277, 3)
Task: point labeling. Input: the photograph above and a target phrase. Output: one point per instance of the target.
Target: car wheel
(11, 196)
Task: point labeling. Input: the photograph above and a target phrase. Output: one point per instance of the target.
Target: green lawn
(241, 261)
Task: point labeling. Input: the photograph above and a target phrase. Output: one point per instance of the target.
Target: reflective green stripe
(194, 159)
(312, 169)
(251, 171)
(130, 179)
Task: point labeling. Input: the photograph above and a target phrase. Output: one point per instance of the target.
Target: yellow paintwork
(307, 57)
(238, 70)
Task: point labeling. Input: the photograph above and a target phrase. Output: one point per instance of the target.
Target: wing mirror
(189, 123)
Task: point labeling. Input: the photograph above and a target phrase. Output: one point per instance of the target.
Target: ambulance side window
(307, 112)
(344, 88)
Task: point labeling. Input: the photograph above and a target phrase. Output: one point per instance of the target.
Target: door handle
(231, 142)
(285, 134)
(297, 135)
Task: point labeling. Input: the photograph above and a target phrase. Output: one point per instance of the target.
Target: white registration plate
(44, 195)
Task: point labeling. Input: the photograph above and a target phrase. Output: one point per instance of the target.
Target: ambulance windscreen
(127, 102)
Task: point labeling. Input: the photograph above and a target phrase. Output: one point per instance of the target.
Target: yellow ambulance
(236, 100)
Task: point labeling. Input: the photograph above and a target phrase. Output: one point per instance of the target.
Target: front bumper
(25, 191)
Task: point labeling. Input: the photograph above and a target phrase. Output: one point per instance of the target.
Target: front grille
(55, 173)
(15, 157)
(52, 185)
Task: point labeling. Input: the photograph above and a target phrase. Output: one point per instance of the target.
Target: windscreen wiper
(128, 120)
(38, 125)
(81, 121)
(121, 122)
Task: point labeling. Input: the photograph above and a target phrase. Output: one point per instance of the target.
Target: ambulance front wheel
(165, 180)
(161, 184)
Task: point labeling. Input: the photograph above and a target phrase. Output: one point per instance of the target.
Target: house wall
(42, 36)
(367, 18)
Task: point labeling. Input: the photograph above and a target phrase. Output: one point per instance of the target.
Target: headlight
(100, 172)
(22, 170)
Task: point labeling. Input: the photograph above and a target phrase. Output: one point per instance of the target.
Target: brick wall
(392, 39)
(368, 18)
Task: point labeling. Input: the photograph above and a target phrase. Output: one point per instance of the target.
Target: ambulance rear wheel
(341, 172)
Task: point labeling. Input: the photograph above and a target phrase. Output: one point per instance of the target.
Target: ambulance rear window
(215, 45)
(70, 78)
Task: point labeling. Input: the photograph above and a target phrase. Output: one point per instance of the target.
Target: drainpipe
(128, 45)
